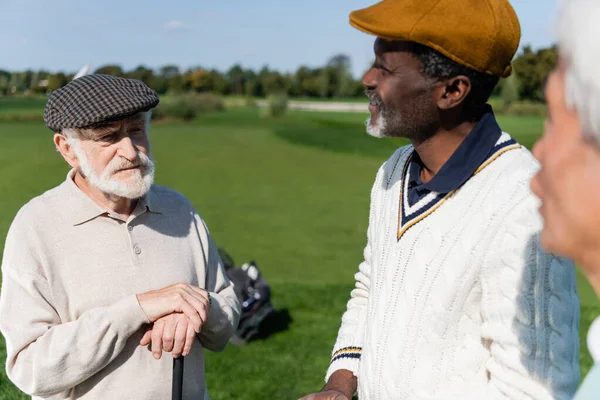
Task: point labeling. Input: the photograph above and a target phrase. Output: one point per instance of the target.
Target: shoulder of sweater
(173, 203)
(515, 203)
(400, 154)
(393, 165)
(170, 198)
(41, 206)
(512, 172)
(517, 164)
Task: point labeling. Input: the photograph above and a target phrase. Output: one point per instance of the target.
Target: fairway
(292, 194)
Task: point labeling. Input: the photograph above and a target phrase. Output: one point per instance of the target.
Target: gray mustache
(141, 162)
(374, 98)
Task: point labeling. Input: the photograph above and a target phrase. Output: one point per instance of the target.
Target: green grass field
(292, 194)
(22, 105)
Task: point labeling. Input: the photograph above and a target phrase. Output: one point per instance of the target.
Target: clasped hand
(177, 313)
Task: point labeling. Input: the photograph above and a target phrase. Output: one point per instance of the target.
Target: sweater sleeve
(225, 310)
(45, 355)
(530, 313)
(348, 346)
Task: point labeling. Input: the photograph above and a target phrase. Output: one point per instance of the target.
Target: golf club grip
(178, 378)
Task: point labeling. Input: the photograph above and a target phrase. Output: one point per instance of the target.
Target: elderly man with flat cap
(455, 298)
(105, 263)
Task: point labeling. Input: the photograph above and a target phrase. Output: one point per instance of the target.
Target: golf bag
(254, 295)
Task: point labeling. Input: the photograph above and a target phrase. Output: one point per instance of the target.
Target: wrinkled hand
(326, 395)
(177, 298)
(173, 333)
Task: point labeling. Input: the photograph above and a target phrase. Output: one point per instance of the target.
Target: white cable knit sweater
(462, 304)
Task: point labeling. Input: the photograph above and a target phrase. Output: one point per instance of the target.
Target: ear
(61, 143)
(453, 92)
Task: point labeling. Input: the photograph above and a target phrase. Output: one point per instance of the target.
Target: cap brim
(382, 20)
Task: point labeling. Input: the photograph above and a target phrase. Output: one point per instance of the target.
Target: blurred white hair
(579, 45)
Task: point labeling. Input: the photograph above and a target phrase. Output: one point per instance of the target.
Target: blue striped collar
(470, 154)
(485, 143)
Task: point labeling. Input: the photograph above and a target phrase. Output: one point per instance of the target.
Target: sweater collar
(463, 163)
(83, 208)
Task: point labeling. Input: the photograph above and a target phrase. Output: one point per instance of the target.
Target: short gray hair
(578, 33)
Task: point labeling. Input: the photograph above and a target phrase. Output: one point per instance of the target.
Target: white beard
(378, 129)
(141, 181)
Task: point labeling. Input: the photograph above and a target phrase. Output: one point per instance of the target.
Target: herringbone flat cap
(94, 99)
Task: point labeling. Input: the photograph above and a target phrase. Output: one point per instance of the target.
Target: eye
(380, 67)
(109, 138)
(136, 132)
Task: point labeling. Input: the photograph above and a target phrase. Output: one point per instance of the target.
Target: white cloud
(174, 25)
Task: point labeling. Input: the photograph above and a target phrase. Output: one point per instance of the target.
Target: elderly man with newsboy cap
(99, 267)
(455, 298)
(568, 182)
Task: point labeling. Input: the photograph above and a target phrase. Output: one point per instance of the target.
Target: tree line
(333, 80)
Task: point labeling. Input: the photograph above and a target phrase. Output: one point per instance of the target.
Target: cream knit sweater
(463, 304)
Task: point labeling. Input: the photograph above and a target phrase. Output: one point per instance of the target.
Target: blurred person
(455, 298)
(99, 267)
(569, 154)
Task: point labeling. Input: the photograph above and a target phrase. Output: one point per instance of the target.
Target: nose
(369, 80)
(127, 149)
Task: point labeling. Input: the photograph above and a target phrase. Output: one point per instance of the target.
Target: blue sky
(283, 34)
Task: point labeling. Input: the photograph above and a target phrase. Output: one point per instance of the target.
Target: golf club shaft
(178, 378)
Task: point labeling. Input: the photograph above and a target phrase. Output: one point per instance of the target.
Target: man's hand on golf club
(173, 333)
(177, 298)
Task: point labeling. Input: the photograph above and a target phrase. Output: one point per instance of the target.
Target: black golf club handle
(177, 378)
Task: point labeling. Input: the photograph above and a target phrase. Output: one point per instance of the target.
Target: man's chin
(374, 128)
(132, 187)
(551, 242)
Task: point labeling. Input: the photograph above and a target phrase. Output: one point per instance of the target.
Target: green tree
(324, 82)
(235, 78)
(202, 81)
(173, 78)
(176, 84)
(168, 79)
(218, 83)
(250, 83)
(39, 82)
(142, 73)
(339, 76)
(18, 82)
(509, 90)
(115, 70)
(4, 82)
(56, 81)
(160, 84)
(272, 81)
(305, 82)
(169, 71)
(532, 69)
(27, 79)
